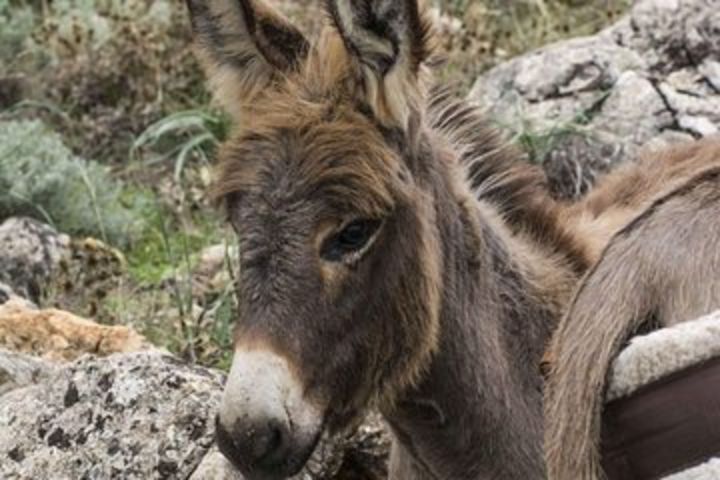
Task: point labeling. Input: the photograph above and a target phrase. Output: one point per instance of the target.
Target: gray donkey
(393, 251)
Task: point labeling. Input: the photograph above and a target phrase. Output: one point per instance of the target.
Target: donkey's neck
(477, 411)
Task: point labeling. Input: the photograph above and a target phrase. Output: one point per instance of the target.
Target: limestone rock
(60, 335)
(130, 416)
(29, 253)
(651, 79)
(143, 415)
(18, 370)
(212, 273)
(7, 294)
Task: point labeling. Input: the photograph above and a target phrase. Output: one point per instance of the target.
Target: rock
(29, 254)
(85, 278)
(130, 416)
(7, 294)
(367, 451)
(60, 335)
(651, 79)
(212, 272)
(137, 416)
(52, 269)
(18, 370)
(214, 465)
(635, 110)
(575, 159)
(710, 70)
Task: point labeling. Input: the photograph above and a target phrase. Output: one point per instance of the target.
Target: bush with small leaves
(41, 178)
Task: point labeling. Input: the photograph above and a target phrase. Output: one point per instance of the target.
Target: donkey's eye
(350, 239)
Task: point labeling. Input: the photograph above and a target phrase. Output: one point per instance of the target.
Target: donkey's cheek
(333, 278)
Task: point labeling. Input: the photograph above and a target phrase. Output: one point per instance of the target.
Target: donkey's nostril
(267, 442)
(261, 444)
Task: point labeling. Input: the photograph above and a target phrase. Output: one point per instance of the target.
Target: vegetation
(106, 131)
(15, 26)
(490, 31)
(40, 177)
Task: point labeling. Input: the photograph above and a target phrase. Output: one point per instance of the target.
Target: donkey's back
(661, 268)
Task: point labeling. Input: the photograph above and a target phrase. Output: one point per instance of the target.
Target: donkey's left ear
(390, 39)
(243, 46)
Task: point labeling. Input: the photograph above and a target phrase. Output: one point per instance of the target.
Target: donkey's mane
(497, 173)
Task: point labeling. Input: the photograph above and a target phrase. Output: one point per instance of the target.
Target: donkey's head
(328, 184)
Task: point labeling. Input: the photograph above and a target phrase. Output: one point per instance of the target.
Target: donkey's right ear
(243, 45)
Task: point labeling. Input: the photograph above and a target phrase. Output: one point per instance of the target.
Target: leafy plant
(41, 178)
(183, 135)
(16, 24)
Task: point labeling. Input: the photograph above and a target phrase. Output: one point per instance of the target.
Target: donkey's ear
(243, 45)
(391, 40)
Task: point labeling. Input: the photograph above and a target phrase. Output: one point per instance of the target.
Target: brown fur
(442, 319)
(629, 188)
(658, 270)
(244, 47)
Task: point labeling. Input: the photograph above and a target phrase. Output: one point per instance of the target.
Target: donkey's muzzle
(265, 427)
(263, 450)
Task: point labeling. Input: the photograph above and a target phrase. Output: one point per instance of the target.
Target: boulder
(131, 416)
(60, 335)
(30, 252)
(19, 370)
(212, 273)
(7, 294)
(651, 79)
(137, 416)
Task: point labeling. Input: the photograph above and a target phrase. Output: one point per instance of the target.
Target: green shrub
(70, 26)
(40, 177)
(16, 25)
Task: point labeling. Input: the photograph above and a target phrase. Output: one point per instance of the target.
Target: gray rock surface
(651, 79)
(132, 416)
(6, 293)
(29, 253)
(18, 370)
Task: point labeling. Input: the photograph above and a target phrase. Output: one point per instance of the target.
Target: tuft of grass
(537, 144)
(538, 138)
(163, 301)
(181, 136)
(492, 31)
(166, 245)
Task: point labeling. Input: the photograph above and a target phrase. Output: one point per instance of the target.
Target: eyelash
(351, 241)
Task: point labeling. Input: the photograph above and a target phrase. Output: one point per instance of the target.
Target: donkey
(662, 268)
(393, 250)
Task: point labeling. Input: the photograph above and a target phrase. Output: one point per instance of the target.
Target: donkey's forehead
(344, 161)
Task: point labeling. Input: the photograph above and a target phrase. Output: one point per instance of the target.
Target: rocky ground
(651, 79)
(111, 360)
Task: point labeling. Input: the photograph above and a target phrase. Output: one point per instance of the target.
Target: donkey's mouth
(278, 456)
